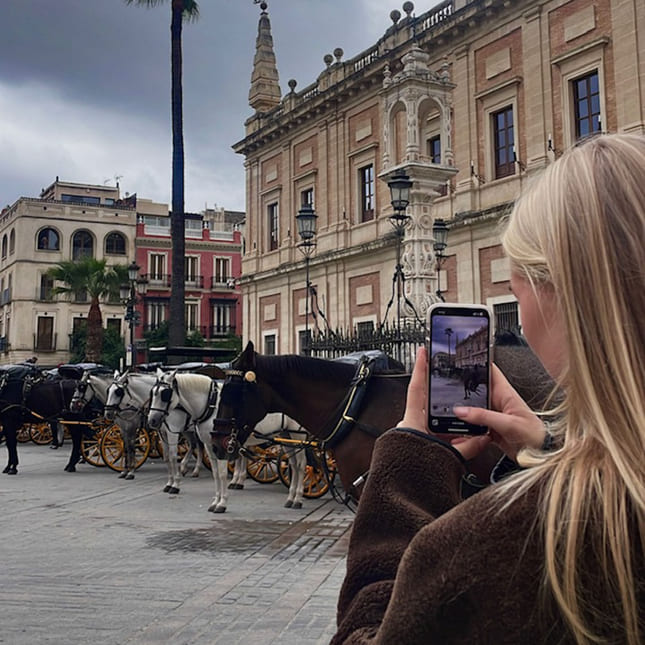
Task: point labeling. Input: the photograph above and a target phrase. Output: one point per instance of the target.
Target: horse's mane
(195, 382)
(304, 367)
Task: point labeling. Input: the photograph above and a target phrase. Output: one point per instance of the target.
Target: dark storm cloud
(85, 87)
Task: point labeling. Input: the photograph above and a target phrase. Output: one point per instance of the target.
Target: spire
(265, 92)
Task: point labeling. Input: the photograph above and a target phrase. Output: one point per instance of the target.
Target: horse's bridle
(120, 391)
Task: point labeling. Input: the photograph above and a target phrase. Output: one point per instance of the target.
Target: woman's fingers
(415, 407)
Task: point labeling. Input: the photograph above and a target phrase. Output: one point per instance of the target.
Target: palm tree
(95, 278)
(180, 10)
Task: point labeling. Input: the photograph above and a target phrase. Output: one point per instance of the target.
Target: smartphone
(459, 359)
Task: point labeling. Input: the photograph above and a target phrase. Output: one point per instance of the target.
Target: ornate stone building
(469, 98)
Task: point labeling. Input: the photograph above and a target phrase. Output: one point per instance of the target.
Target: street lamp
(440, 234)
(306, 224)
(399, 185)
(128, 292)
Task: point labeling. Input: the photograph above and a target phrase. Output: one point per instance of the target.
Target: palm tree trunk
(176, 327)
(94, 343)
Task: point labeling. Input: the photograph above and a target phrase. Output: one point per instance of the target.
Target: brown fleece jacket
(426, 567)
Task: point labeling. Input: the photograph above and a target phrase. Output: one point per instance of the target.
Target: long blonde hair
(580, 229)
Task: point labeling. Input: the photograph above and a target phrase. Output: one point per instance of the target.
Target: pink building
(212, 265)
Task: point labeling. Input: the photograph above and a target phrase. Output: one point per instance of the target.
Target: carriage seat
(76, 370)
(382, 362)
(19, 372)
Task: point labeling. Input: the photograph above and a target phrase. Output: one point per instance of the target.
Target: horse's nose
(153, 422)
(109, 415)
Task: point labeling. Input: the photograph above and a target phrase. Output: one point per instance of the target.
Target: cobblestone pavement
(90, 558)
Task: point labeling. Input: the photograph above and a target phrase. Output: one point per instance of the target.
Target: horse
(28, 396)
(472, 377)
(95, 386)
(322, 396)
(197, 392)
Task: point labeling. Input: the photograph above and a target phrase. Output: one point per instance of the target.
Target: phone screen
(458, 365)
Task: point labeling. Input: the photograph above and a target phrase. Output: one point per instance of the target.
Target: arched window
(48, 240)
(115, 244)
(4, 247)
(12, 241)
(82, 245)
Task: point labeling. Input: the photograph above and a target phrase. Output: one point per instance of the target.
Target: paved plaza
(90, 558)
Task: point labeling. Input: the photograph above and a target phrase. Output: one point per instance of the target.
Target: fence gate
(400, 343)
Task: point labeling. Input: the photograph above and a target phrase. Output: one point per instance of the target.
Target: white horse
(97, 385)
(198, 393)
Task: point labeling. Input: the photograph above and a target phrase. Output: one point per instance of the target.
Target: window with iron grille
(115, 244)
(269, 344)
(272, 216)
(82, 245)
(157, 266)
(45, 333)
(222, 270)
(307, 197)
(304, 341)
(191, 313)
(503, 136)
(366, 180)
(586, 104)
(506, 317)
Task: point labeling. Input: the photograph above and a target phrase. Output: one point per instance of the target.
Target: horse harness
(343, 421)
(166, 397)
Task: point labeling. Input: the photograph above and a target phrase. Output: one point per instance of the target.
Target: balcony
(194, 281)
(216, 331)
(157, 280)
(45, 343)
(46, 294)
(221, 283)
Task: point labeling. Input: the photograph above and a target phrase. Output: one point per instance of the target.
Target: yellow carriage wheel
(113, 451)
(316, 482)
(156, 446)
(24, 434)
(40, 433)
(91, 443)
(262, 464)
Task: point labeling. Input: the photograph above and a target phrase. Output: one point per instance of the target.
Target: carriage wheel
(40, 433)
(316, 483)
(113, 452)
(91, 445)
(262, 464)
(24, 434)
(156, 447)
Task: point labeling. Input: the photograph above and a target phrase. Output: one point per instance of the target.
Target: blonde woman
(555, 553)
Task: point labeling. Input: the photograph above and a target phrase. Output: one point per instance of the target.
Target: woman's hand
(515, 426)
(415, 409)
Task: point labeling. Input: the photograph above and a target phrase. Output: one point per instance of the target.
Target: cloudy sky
(85, 88)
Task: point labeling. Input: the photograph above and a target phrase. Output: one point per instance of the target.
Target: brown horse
(316, 393)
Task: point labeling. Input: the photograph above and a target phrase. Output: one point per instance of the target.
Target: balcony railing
(194, 281)
(5, 297)
(219, 283)
(158, 280)
(46, 294)
(221, 330)
(4, 344)
(44, 343)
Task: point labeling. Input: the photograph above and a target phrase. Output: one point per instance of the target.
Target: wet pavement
(90, 558)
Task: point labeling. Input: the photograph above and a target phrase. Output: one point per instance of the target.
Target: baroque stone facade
(469, 98)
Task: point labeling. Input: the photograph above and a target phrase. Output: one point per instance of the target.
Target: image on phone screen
(459, 362)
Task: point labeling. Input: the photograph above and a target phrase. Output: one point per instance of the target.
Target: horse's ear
(247, 358)
(160, 372)
(116, 374)
(173, 374)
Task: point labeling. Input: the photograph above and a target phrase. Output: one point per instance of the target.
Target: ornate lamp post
(306, 223)
(440, 234)
(128, 293)
(399, 185)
